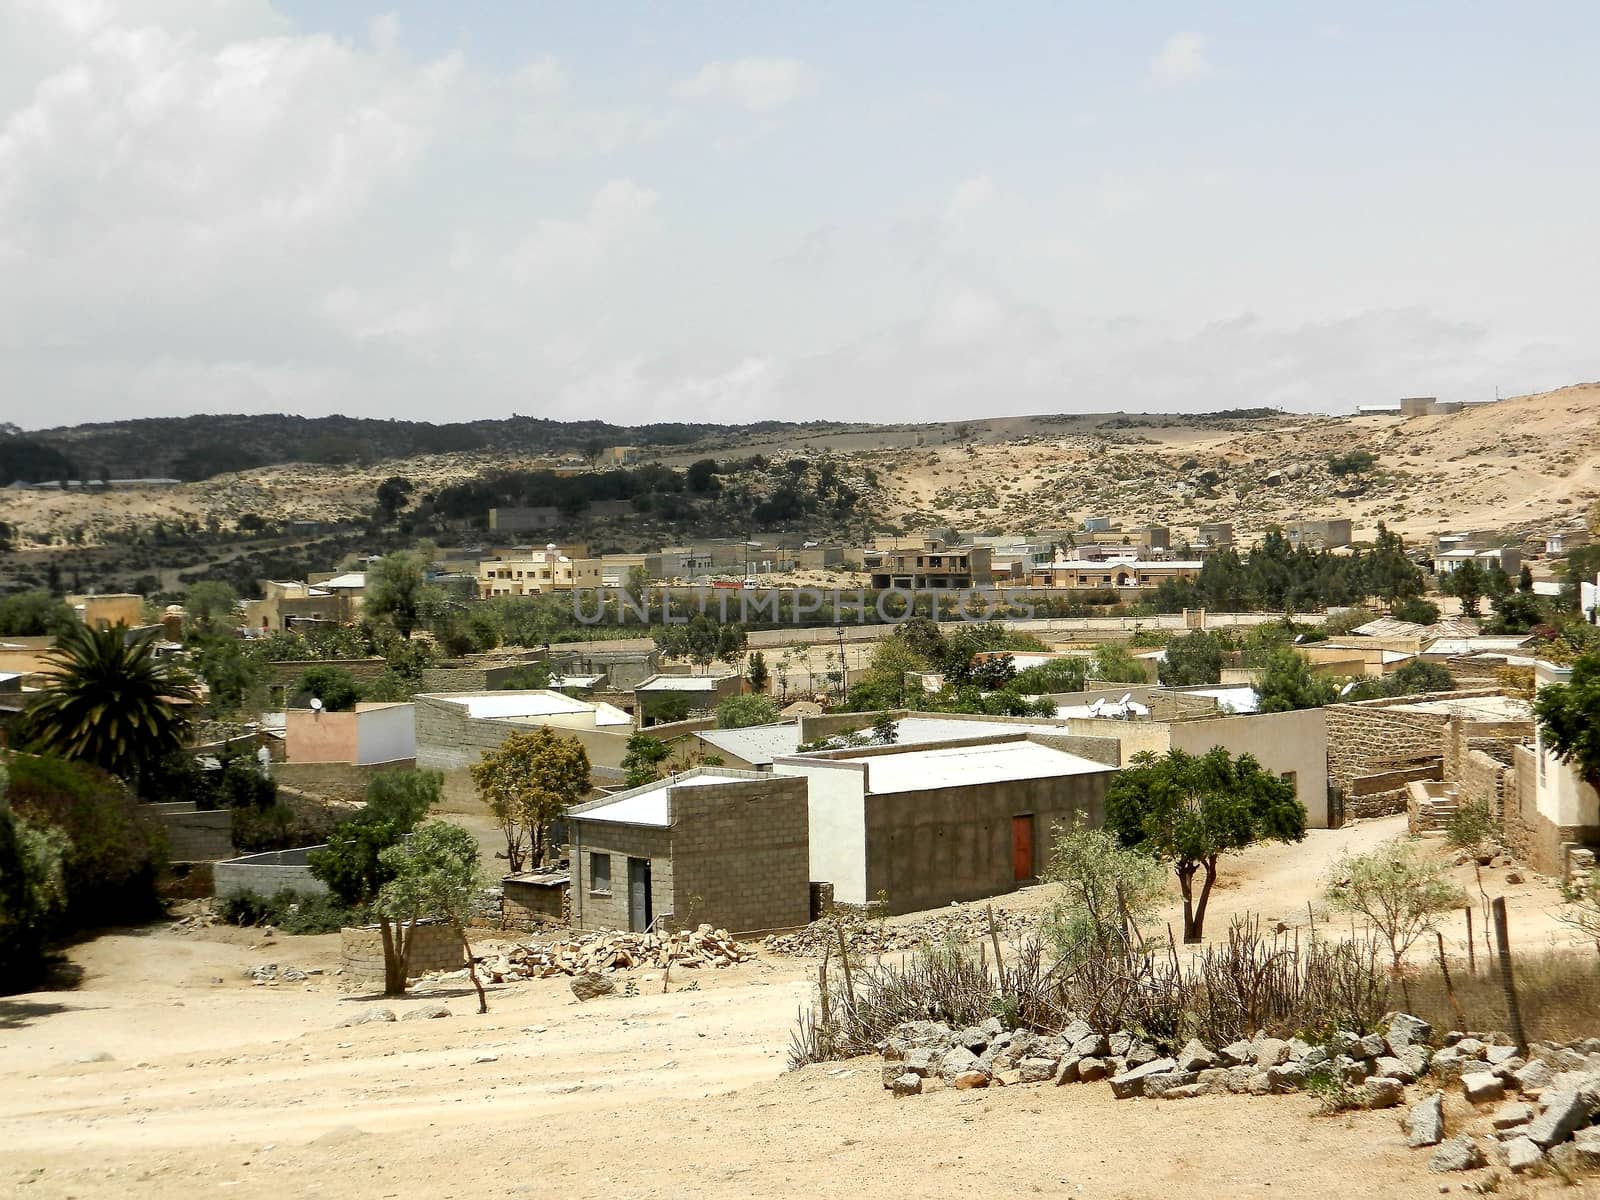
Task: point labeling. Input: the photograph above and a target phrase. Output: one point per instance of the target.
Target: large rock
(908, 1084)
(1565, 1112)
(1522, 1155)
(1091, 1045)
(1482, 1087)
(1075, 1032)
(1370, 1047)
(367, 1017)
(1392, 1067)
(1458, 1154)
(1237, 1054)
(912, 1035)
(1288, 1077)
(1271, 1052)
(591, 985)
(1195, 1056)
(1583, 1151)
(428, 1012)
(1175, 1085)
(1036, 1070)
(1091, 1069)
(973, 1039)
(1425, 1122)
(967, 1080)
(1512, 1114)
(1405, 1030)
(955, 1062)
(1383, 1091)
(1141, 1053)
(1131, 1082)
(1533, 1077)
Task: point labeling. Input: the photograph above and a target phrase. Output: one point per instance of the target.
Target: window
(600, 874)
(1289, 778)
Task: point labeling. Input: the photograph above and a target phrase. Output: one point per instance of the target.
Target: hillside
(1524, 461)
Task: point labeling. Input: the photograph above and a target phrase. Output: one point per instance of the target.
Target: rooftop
(652, 803)
(503, 705)
(967, 766)
(1474, 708)
(680, 683)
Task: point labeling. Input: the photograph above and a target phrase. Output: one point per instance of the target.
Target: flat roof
(967, 766)
(651, 804)
(1240, 699)
(755, 744)
(680, 683)
(543, 703)
(1476, 708)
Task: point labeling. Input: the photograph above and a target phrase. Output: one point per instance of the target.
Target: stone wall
(1529, 835)
(476, 678)
(340, 781)
(1482, 779)
(1372, 739)
(193, 835)
(437, 948)
(287, 674)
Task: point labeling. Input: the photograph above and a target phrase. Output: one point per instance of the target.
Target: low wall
(196, 836)
(344, 781)
(437, 947)
(267, 874)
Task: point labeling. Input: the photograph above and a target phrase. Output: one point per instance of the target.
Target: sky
(885, 211)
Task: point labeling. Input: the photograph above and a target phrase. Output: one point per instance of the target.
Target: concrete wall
(928, 848)
(1133, 737)
(1284, 743)
(194, 836)
(385, 733)
(310, 736)
(740, 856)
(836, 806)
(468, 678)
(267, 874)
(1530, 832)
(340, 780)
(596, 910)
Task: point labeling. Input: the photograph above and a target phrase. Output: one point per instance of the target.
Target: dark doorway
(639, 908)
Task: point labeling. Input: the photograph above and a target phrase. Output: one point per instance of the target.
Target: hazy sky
(889, 211)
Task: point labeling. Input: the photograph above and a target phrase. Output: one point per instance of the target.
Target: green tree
(32, 893)
(394, 590)
(1103, 891)
(643, 758)
(34, 614)
(528, 781)
(740, 712)
(884, 730)
(433, 874)
(1417, 611)
(1194, 658)
(1112, 663)
(235, 679)
(338, 690)
(1190, 810)
(1419, 676)
(108, 701)
(756, 673)
(1569, 718)
(1467, 584)
(1288, 684)
(394, 493)
(212, 606)
(1400, 888)
(352, 863)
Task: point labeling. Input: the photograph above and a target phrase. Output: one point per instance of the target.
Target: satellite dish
(1126, 696)
(1094, 709)
(1347, 688)
(1299, 638)
(316, 704)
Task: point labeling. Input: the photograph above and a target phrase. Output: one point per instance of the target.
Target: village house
(283, 605)
(1555, 811)
(536, 572)
(934, 565)
(667, 698)
(915, 827)
(1333, 533)
(1507, 558)
(108, 609)
(1130, 573)
(372, 734)
(710, 845)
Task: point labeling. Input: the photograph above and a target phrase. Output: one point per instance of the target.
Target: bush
(32, 895)
(116, 850)
(1472, 824)
(290, 911)
(338, 690)
(275, 827)
(242, 784)
(740, 712)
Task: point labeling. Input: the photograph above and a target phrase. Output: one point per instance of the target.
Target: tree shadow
(14, 1014)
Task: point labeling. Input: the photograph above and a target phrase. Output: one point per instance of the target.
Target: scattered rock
(1131, 1082)
(591, 985)
(1522, 1155)
(1584, 1150)
(1512, 1114)
(967, 1080)
(907, 1084)
(1237, 1054)
(1500, 1056)
(957, 1061)
(1195, 1056)
(1482, 1087)
(1425, 1122)
(1271, 1052)
(1172, 1085)
(1036, 1070)
(1091, 1069)
(367, 1017)
(95, 1056)
(1405, 1030)
(1384, 1091)
(1458, 1154)
(1565, 1112)
(428, 1012)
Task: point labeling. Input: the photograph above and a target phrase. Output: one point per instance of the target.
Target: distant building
(104, 611)
(284, 605)
(619, 456)
(934, 566)
(546, 570)
(1215, 535)
(1114, 572)
(1329, 534)
(1507, 558)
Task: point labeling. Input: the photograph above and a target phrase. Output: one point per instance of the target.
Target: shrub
(116, 850)
(338, 690)
(290, 911)
(32, 894)
(1472, 824)
(740, 712)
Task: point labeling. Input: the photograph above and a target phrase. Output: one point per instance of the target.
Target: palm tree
(109, 702)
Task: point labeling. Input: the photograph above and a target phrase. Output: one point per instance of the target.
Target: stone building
(726, 848)
(920, 828)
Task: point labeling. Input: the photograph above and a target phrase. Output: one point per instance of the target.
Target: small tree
(1569, 718)
(1105, 891)
(756, 673)
(432, 874)
(352, 863)
(1114, 664)
(1419, 676)
(1417, 611)
(212, 605)
(643, 759)
(1288, 684)
(740, 712)
(530, 780)
(1194, 658)
(1189, 810)
(884, 731)
(1467, 583)
(394, 590)
(1399, 888)
(338, 690)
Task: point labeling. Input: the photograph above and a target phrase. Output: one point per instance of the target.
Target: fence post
(1472, 951)
(1502, 937)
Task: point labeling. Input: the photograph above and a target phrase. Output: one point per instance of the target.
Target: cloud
(1181, 59)
(557, 250)
(541, 77)
(970, 197)
(756, 84)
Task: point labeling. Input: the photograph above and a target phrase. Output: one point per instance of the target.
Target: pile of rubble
(1554, 1116)
(873, 938)
(594, 953)
(271, 974)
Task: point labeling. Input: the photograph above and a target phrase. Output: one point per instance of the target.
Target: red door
(1022, 848)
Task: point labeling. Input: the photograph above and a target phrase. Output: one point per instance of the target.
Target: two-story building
(546, 570)
(934, 565)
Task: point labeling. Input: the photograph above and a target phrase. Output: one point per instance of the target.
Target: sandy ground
(256, 1091)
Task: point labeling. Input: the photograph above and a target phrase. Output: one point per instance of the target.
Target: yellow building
(546, 570)
(115, 608)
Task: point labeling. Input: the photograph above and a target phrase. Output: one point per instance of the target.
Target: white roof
(680, 683)
(651, 804)
(755, 744)
(352, 579)
(1546, 587)
(1472, 645)
(492, 705)
(1242, 699)
(965, 766)
(1474, 708)
(1089, 564)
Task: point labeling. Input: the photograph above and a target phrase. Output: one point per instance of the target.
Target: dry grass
(1559, 993)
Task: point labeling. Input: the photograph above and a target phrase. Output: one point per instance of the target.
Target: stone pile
(1544, 1107)
(596, 953)
(271, 974)
(873, 938)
